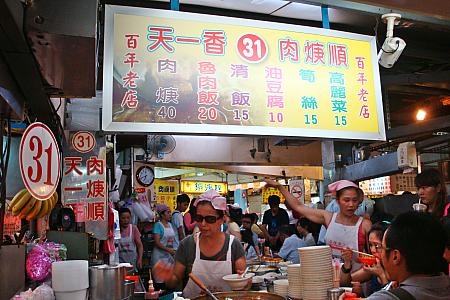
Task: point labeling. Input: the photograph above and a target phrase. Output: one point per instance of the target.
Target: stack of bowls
(316, 272)
(280, 287)
(70, 279)
(295, 281)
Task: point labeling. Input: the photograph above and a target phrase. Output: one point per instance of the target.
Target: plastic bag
(150, 215)
(139, 211)
(43, 292)
(39, 263)
(27, 295)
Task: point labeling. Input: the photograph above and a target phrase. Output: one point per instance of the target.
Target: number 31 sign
(40, 161)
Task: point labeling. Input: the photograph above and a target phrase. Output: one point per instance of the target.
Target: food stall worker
(344, 229)
(130, 245)
(211, 256)
(165, 240)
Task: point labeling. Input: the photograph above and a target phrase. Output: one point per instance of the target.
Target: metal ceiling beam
(437, 140)
(375, 167)
(416, 78)
(378, 9)
(437, 124)
(418, 90)
(433, 53)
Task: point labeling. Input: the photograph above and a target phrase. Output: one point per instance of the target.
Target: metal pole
(325, 18)
(175, 5)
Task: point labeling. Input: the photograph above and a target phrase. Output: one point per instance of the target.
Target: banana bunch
(26, 206)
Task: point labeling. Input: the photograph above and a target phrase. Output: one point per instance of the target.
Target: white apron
(127, 248)
(210, 272)
(343, 236)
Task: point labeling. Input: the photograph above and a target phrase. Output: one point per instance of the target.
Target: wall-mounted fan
(160, 145)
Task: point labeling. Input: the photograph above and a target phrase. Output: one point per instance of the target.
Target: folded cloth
(339, 185)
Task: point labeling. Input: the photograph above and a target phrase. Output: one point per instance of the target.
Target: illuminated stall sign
(167, 71)
(84, 181)
(193, 187)
(266, 192)
(166, 192)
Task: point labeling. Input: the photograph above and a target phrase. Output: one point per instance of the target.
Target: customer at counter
(249, 238)
(130, 245)
(411, 252)
(292, 241)
(255, 227)
(177, 217)
(431, 190)
(188, 218)
(235, 220)
(211, 256)
(344, 229)
(374, 274)
(273, 219)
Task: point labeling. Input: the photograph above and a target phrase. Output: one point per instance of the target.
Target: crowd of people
(203, 234)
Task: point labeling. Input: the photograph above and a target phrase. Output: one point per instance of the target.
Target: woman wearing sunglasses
(209, 257)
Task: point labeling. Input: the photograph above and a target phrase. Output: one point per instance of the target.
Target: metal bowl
(243, 295)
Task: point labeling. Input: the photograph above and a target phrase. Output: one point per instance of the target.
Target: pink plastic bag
(39, 264)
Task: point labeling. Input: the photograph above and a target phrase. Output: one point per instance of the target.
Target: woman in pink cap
(344, 229)
(209, 257)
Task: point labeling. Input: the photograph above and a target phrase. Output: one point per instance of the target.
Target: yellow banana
(35, 210)
(16, 198)
(56, 198)
(51, 201)
(16, 209)
(44, 209)
(28, 207)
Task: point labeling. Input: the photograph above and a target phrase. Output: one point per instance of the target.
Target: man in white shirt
(177, 218)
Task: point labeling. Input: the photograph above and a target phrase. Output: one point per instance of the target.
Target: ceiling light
(421, 114)
(199, 174)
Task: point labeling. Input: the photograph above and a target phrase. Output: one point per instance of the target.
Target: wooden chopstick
(359, 252)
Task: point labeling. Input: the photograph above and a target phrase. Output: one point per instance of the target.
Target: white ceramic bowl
(236, 282)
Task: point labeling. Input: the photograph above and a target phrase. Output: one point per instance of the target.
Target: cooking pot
(107, 282)
(243, 295)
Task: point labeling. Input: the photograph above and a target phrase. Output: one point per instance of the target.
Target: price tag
(39, 160)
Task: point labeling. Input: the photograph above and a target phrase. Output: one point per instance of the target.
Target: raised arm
(319, 216)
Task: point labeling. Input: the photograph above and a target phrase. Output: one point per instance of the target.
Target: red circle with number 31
(83, 141)
(252, 48)
(39, 160)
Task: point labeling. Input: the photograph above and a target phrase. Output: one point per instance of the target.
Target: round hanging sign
(39, 160)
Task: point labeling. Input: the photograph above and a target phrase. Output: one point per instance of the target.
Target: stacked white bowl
(316, 272)
(295, 281)
(70, 279)
(280, 287)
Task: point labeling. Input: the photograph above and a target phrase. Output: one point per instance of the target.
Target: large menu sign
(168, 71)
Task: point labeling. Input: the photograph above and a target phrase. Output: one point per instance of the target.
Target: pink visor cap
(217, 201)
(339, 185)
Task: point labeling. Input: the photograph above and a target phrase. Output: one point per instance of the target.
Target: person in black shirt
(273, 219)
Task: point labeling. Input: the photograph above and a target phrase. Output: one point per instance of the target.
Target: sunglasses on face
(208, 219)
